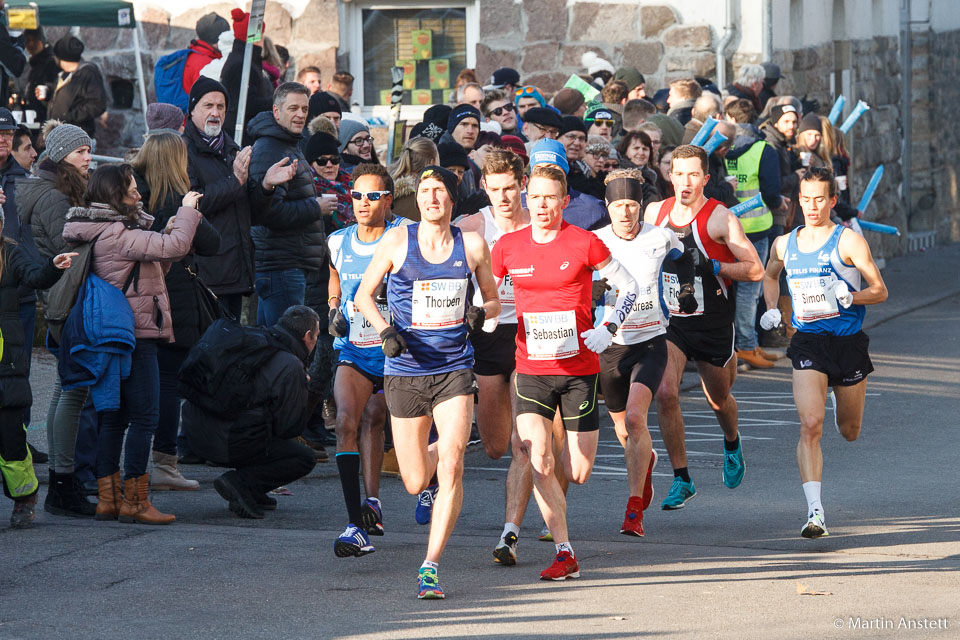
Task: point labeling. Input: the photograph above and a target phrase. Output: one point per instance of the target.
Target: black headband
(624, 189)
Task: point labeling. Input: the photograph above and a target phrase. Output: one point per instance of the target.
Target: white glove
(844, 297)
(490, 324)
(770, 319)
(597, 339)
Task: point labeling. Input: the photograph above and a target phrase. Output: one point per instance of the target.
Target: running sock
(348, 464)
(430, 565)
(731, 446)
(510, 527)
(682, 473)
(812, 491)
(565, 546)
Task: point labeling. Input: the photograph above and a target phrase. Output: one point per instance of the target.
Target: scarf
(340, 187)
(214, 142)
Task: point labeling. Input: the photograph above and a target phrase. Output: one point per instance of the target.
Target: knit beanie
(460, 113)
(68, 49)
(547, 151)
(348, 129)
(322, 102)
(572, 123)
(452, 155)
(202, 87)
(568, 100)
(671, 131)
(447, 177)
(210, 26)
(630, 77)
(810, 122)
(321, 144)
(66, 138)
(161, 115)
(778, 112)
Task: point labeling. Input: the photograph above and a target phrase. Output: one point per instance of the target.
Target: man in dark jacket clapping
(288, 238)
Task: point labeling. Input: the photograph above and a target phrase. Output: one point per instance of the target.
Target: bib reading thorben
(643, 258)
(715, 306)
(428, 302)
(810, 278)
(552, 285)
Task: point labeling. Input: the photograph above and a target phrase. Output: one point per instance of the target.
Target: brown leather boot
(109, 497)
(136, 505)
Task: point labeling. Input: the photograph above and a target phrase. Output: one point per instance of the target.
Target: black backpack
(219, 374)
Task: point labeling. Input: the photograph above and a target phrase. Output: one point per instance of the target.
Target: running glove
(600, 288)
(337, 325)
(770, 319)
(686, 299)
(842, 291)
(393, 343)
(475, 317)
(597, 339)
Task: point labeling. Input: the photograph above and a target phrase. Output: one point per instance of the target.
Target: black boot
(65, 497)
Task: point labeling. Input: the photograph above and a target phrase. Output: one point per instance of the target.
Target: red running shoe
(633, 519)
(648, 483)
(564, 566)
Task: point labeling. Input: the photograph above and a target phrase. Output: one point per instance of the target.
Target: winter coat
(226, 204)
(282, 381)
(201, 54)
(184, 306)
(682, 111)
(43, 70)
(289, 234)
(769, 170)
(44, 209)
(18, 270)
(12, 62)
(405, 198)
(259, 94)
(80, 99)
(11, 175)
(743, 93)
(123, 243)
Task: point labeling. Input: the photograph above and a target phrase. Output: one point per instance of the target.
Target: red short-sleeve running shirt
(552, 286)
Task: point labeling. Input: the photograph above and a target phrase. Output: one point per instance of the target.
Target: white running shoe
(815, 527)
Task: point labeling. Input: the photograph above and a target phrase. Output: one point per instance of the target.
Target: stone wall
(544, 40)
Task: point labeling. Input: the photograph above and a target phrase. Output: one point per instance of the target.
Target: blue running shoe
(425, 504)
(353, 542)
(372, 516)
(428, 585)
(733, 467)
(678, 495)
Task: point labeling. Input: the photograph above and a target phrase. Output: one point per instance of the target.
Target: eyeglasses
(499, 111)
(372, 196)
(323, 161)
(575, 137)
(603, 122)
(362, 141)
(550, 132)
(611, 165)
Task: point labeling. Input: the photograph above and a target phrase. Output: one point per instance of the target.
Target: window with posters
(432, 41)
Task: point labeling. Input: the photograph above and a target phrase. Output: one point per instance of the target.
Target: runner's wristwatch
(612, 328)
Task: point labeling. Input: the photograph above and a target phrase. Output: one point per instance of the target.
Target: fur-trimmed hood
(99, 212)
(404, 186)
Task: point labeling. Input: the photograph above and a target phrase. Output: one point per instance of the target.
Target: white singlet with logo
(551, 335)
(642, 257)
(508, 310)
(438, 304)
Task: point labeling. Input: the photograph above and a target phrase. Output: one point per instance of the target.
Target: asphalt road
(731, 564)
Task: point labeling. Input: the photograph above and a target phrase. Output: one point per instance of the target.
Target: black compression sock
(731, 446)
(681, 473)
(348, 464)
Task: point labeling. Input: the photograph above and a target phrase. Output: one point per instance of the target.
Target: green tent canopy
(82, 13)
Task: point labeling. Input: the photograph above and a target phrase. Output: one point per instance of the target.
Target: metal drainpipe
(729, 30)
(907, 124)
(767, 45)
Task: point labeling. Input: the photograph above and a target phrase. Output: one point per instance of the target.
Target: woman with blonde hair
(417, 154)
(161, 173)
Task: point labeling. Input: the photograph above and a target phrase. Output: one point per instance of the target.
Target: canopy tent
(91, 13)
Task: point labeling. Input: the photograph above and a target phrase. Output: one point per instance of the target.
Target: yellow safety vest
(746, 168)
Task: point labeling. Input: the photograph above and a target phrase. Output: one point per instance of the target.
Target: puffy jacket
(11, 175)
(18, 270)
(282, 381)
(81, 99)
(44, 209)
(405, 198)
(259, 94)
(123, 243)
(202, 54)
(184, 307)
(226, 204)
(289, 235)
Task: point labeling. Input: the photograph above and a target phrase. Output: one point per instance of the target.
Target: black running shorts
(377, 381)
(713, 346)
(495, 353)
(416, 396)
(617, 363)
(843, 359)
(576, 396)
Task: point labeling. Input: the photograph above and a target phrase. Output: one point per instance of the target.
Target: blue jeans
(278, 290)
(28, 319)
(137, 418)
(747, 295)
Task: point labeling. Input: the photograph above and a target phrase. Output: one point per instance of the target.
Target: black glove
(337, 324)
(686, 299)
(600, 288)
(475, 317)
(809, 105)
(380, 294)
(393, 343)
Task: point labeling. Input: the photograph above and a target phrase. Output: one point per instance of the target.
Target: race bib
(645, 312)
(551, 335)
(438, 304)
(362, 333)
(506, 290)
(671, 292)
(814, 299)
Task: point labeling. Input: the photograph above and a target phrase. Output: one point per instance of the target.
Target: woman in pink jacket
(134, 259)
